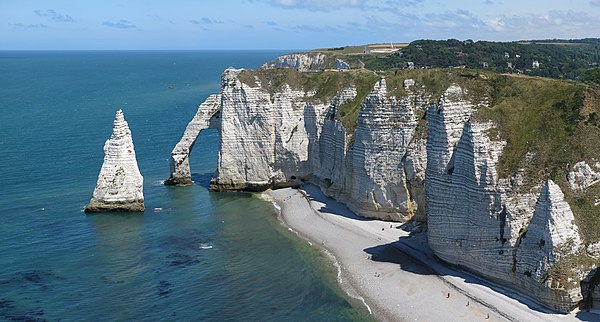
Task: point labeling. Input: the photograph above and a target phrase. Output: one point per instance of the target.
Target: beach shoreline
(393, 271)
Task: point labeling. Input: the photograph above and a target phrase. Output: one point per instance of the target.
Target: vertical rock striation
(479, 221)
(550, 236)
(120, 184)
(386, 126)
(264, 136)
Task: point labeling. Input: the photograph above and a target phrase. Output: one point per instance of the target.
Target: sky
(283, 24)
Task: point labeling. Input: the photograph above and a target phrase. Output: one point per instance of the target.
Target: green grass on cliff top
(549, 125)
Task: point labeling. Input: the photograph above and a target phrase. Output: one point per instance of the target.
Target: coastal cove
(495, 168)
(193, 255)
(391, 269)
(289, 160)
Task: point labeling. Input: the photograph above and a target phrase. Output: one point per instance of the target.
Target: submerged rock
(120, 184)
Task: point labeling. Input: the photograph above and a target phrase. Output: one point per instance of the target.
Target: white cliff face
(341, 65)
(414, 169)
(370, 176)
(476, 220)
(583, 175)
(416, 158)
(467, 224)
(120, 184)
(446, 123)
(331, 167)
(301, 62)
(386, 126)
(266, 139)
(207, 116)
(271, 140)
(246, 128)
(551, 235)
(328, 157)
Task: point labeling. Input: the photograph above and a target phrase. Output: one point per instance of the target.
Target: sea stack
(120, 184)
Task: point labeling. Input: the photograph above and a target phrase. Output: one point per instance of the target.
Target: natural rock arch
(207, 116)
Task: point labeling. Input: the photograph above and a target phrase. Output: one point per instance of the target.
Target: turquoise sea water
(56, 263)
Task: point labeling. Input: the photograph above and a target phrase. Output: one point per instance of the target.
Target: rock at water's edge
(120, 184)
(206, 117)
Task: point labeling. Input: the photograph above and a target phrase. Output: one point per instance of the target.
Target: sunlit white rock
(120, 184)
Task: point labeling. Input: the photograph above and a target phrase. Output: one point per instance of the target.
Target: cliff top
(575, 59)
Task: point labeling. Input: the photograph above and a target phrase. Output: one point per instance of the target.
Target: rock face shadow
(314, 193)
(390, 254)
(202, 179)
(429, 264)
(590, 289)
(588, 316)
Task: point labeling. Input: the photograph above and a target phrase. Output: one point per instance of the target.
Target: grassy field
(360, 49)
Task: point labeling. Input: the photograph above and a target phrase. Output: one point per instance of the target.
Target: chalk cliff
(276, 139)
(120, 184)
(478, 221)
(583, 175)
(433, 148)
(206, 117)
(378, 184)
(301, 62)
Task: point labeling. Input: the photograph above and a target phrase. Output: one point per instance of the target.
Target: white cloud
(329, 5)
(316, 4)
(453, 19)
(31, 26)
(464, 24)
(543, 25)
(121, 24)
(496, 24)
(206, 21)
(57, 17)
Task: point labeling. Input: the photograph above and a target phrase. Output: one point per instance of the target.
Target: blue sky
(283, 24)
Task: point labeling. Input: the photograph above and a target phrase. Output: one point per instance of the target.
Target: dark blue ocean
(59, 264)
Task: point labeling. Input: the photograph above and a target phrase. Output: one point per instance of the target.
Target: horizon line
(175, 49)
(297, 49)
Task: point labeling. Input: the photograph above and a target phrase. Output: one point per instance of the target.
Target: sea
(193, 255)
